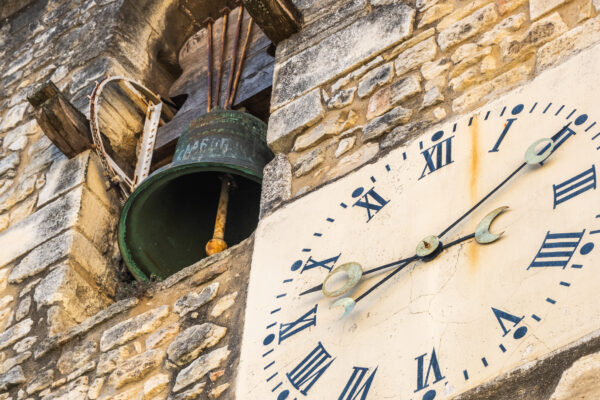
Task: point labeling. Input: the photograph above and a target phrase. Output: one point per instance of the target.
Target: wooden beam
(64, 125)
(278, 19)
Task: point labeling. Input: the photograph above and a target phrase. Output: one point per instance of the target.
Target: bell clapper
(217, 244)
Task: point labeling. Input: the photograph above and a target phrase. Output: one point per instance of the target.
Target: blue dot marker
(587, 248)
(581, 119)
(269, 339)
(296, 265)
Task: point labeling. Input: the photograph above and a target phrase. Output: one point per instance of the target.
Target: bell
(176, 216)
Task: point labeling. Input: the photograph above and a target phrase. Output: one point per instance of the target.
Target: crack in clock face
(438, 328)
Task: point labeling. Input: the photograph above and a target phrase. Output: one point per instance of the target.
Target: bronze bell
(170, 217)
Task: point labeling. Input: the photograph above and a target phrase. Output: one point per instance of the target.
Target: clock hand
(482, 235)
(530, 158)
(399, 263)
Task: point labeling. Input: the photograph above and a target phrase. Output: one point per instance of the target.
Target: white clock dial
(440, 327)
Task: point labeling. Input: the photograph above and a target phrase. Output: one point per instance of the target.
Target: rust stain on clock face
(473, 248)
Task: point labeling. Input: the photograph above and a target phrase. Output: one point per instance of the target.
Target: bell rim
(176, 169)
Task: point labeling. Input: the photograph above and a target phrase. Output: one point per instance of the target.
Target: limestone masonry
(360, 78)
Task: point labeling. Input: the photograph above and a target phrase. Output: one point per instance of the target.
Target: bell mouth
(166, 223)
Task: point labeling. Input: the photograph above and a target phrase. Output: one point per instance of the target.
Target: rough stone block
(539, 33)
(13, 117)
(502, 30)
(403, 133)
(344, 146)
(162, 336)
(341, 52)
(108, 361)
(287, 122)
(434, 13)
(434, 69)
(537, 8)
(189, 394)
(497, 85)
(375, 79)
(357, 73)
(276, 184)
(192, 301)
(136, 368)
(77, 357)
(23, 308)
(580, 381)
(15, 333)
(387, 98)
(12, 378)
(352, 161)
(341, 98)
(460, 13)
(133, 328)
(432, 97)
(156, 384)
(9, 163)
(507, 6)
(385, 123)
(200, 367)
(9, 363)
(223, 304)
(192, 341)
(66, 288)
(39, 227)
(307, 162)
(40, 381)
(468, 78)
(416, 55)
(467, 27)
(24, 344)
(571, 42)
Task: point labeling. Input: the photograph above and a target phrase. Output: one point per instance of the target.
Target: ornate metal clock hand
(531, 157)
(482, 235)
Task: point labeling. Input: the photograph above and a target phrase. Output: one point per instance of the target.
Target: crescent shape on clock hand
(482, 235)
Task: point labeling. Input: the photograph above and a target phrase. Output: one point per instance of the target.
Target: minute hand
(541, 158)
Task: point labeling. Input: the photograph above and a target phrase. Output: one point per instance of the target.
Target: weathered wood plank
(279, 19)
(64, 125)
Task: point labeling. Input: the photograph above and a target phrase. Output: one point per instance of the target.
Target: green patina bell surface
(168, 219)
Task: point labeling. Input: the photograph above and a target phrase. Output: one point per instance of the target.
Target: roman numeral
(502, 316)
(564, 135)
(305, 321)
(327, 263)
(557, 250)
(353, 389)
(422, 376)
(437, 156)
(509, 123)
(310, 369)
(371, 201)
(575, 186)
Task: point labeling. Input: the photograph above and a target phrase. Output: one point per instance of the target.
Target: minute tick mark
(503, 110)
(535, 317)
(559, 110)
(546, 109)
(567, 284)
(551, 301)
(533, 108)
(572, 112)
(484, 361)
(590, 127)
(502, 348)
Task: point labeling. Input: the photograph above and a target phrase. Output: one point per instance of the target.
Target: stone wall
(364, 76)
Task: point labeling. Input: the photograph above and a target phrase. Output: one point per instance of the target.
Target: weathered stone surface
(11, 378)
(64, 175)
(162, 336)
(416, 55)
(15, 333)
(190, 394)
(467, 27)
(537, 8)
(342, 51)
(502, 30)
(13, 117)
(95, 389)
(539, 33)
(497, 85)
(108, 361)
(9, 163)
(287, 122)
(276, 184)
(9, 363)
(435, 12)
(439, 113)
(25, 344)
(155, 384)
(39, 227)
(344, 146)
(136, 367)
(573, 41)
(432, 97)
(510, 5)
(387, 98)
(580, 381)
(65, 287)
(200, 367)
(133, 328)
(218, 391)
(468, 78)
(193, 300)
(352, 161)
(375, 79)
(78, 356)
(461, 12)
(403, 134)
(223, 304)
(23, 308)
(192, 341)
(385, 123)
(82, 370)
(307, 162)
(357, 73)
(40, 381)
(341, 98)
(433, 69)
(333, 125)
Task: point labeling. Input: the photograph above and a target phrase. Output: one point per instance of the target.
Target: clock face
(436, 328)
